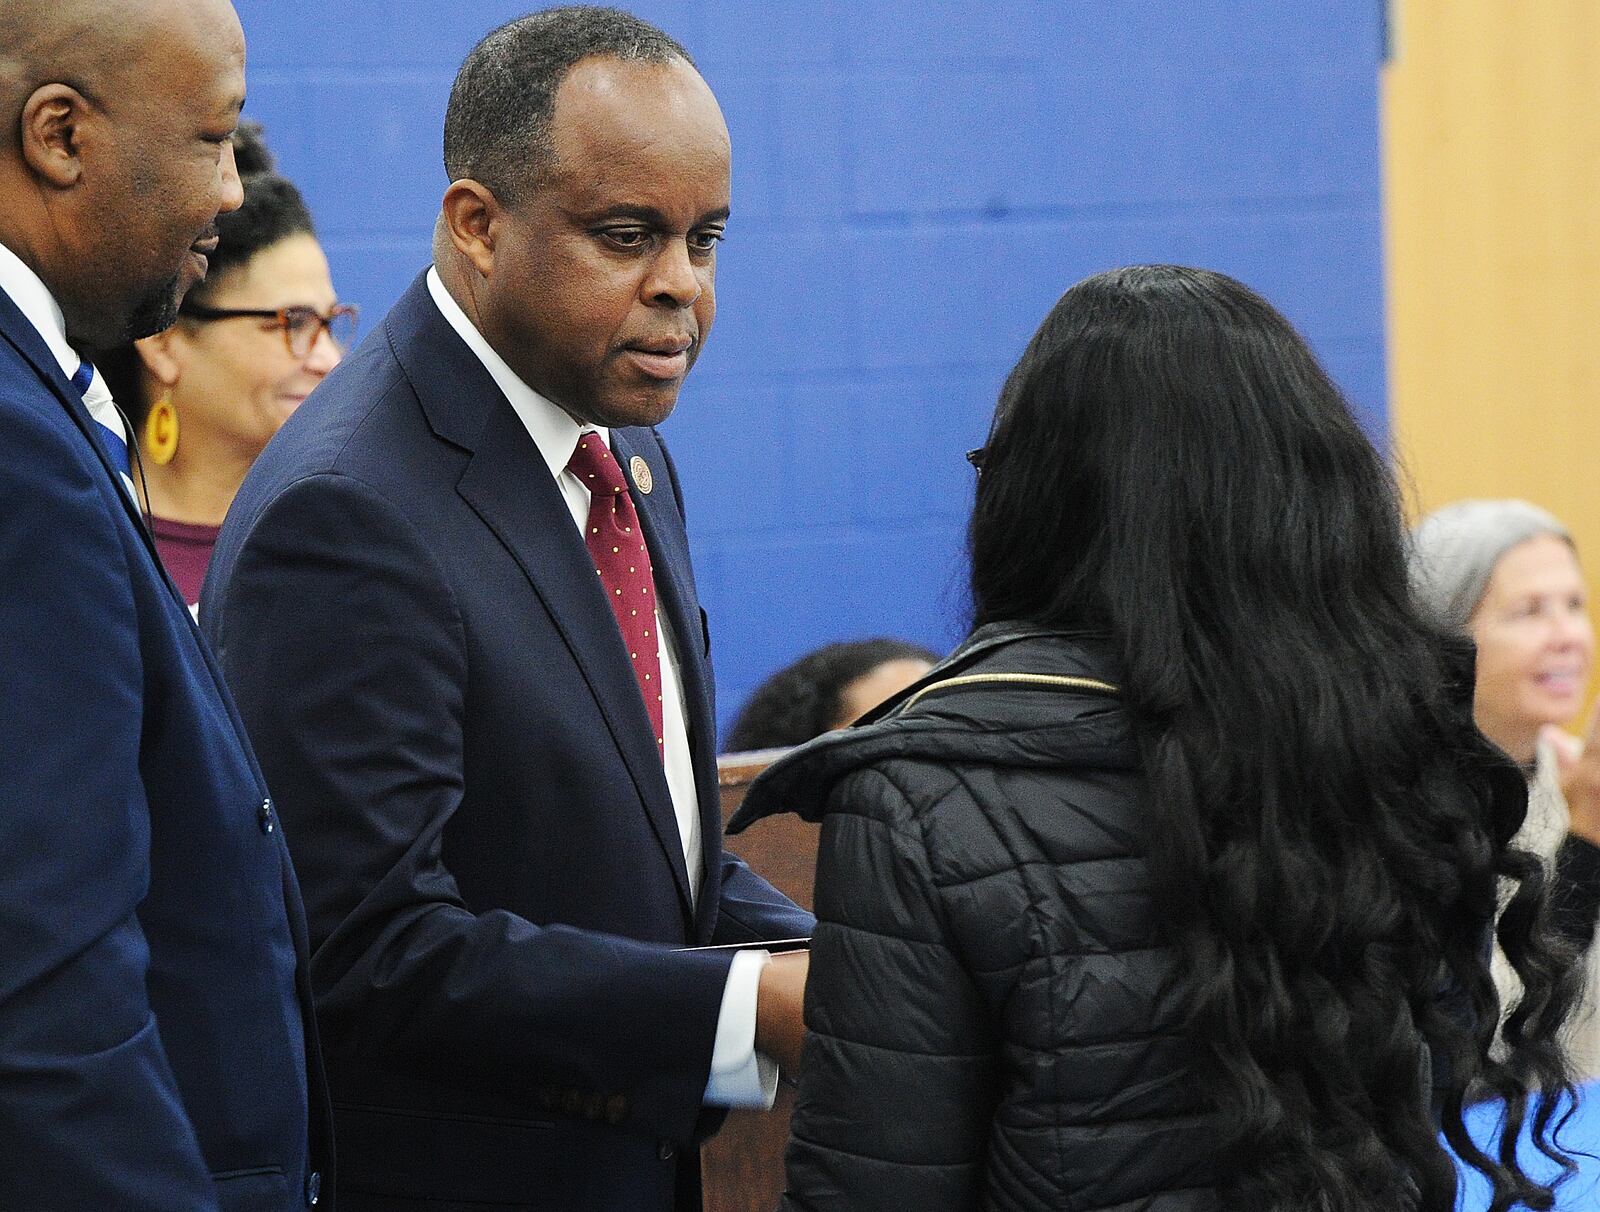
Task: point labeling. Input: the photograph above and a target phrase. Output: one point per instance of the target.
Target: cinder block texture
(915, 182)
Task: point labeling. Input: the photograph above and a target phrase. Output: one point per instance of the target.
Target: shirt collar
(552, 429)
(39, 307)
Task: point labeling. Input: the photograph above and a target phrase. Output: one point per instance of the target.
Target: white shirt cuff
(741, 1076)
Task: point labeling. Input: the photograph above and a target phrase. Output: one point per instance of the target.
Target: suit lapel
(16, 329)
(663, 531)
(509, 486)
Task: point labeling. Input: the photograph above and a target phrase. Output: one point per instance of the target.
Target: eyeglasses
(976, 458)
(301, 325)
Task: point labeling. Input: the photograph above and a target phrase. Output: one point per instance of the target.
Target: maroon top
(186, 551)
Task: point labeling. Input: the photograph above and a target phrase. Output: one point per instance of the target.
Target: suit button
(616, 1109)
(664, 1150)
(313, 1189)
(264, 814)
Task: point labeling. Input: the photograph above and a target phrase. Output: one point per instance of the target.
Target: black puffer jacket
(993, 1014)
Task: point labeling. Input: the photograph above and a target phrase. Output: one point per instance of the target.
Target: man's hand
(779, 998)
(1578, 766)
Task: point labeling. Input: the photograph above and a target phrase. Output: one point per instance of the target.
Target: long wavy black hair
(1331, 834)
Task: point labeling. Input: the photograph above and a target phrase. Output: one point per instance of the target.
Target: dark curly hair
(1330, 833)
(272, 210)
(805, 699)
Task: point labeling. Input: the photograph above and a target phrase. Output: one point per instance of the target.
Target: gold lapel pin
(641, 474)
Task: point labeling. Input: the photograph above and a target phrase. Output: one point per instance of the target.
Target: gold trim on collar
(1026, 679)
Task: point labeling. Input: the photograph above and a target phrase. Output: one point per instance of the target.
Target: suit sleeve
(345, 650)
(90, 1114)
(898, 1079)
(752, 911)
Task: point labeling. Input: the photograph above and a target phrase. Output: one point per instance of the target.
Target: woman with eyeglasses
(1172, 888)
(250, 343)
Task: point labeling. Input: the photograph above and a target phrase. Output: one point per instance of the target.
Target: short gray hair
(1454, 551)
(497, 124)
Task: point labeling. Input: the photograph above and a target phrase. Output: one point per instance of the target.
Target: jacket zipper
(1026, 679)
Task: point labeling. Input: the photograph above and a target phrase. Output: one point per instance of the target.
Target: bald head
(93, 45)
(115, 159)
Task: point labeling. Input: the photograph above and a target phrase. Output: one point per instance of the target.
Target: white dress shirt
(39, 307)
(740, 1077)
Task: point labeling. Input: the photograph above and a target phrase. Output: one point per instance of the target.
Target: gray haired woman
(1506, 574)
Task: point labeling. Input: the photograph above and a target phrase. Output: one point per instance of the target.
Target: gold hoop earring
(161, 431)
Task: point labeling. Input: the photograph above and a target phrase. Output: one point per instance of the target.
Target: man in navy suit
(156, 1048)
(454, 600)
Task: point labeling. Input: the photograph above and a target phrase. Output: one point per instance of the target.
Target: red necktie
(616, 543)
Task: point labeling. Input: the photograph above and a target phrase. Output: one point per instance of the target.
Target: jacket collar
(1012, 695)
(984, 643)
(21, 333)
(38, 306)
(552, 430)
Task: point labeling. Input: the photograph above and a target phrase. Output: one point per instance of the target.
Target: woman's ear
(161, 356)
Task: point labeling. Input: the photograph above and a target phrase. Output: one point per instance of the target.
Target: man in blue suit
(156, 1047)
(454, 600)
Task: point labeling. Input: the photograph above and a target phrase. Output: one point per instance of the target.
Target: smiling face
(237, 382)
(158, 167)
(1535, 644)
(601, 289)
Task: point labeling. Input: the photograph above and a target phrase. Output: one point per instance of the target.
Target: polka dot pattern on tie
(622, 560)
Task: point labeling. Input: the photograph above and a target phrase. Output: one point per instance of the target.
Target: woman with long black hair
(1172, 888)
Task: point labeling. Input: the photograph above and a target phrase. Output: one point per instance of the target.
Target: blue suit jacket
(439, 693)
(154, 1000)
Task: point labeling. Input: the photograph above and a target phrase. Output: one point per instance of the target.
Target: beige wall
(1492, 184)
(1492, 166)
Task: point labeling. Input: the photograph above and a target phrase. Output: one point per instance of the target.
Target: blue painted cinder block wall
(916, 181)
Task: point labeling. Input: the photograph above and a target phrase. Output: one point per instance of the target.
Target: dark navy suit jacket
(492, 867)
(154, 998)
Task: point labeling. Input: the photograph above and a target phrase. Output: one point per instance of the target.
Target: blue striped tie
(97, 399)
